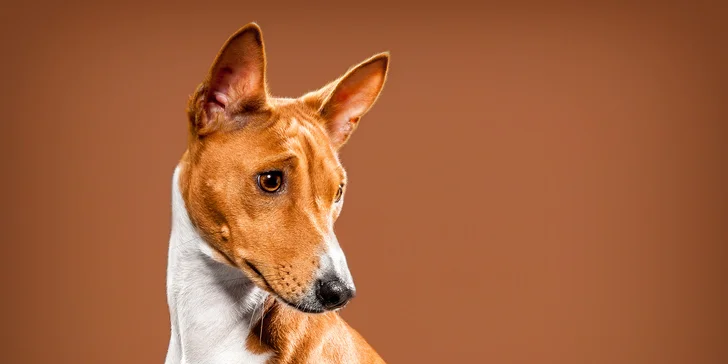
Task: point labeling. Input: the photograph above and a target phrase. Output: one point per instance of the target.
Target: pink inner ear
(220, 86)
(341, 96)
(220, 99)
(216, 102)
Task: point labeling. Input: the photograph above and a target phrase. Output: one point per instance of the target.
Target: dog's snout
(333, 293)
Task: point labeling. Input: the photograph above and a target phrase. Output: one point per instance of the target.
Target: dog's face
(262, 180)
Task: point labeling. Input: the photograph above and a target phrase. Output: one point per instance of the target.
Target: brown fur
(305, 338)
(238, 131)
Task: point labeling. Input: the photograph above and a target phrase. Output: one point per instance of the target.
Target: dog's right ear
(343, 102)
(236, 82)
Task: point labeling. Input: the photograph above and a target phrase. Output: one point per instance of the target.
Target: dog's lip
(304, 309)
(255, 270)
(260, 275)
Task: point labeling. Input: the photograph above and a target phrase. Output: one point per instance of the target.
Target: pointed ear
(343, 102)
(236, 81)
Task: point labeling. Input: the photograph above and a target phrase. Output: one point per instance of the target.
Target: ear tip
(380, 58)
(384, 56)
(251, 27)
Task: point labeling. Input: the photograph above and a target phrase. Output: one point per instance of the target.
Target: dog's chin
(304, 306)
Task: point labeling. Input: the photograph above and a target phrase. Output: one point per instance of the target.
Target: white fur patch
(333, 259)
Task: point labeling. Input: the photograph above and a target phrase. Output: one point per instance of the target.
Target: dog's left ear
(343, 102)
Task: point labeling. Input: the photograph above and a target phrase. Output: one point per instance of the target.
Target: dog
(255, 272)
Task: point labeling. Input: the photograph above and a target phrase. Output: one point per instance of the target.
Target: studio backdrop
(536, 184)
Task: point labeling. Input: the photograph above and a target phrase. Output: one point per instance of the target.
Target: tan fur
(304, 338)
(238, 131)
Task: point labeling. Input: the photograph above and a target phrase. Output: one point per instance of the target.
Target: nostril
(333, 294)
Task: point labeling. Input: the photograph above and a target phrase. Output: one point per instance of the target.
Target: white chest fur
(211, 305)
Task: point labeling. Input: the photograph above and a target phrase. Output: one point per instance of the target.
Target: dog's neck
(212, 306)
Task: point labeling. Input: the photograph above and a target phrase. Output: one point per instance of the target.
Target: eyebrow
(284, 158)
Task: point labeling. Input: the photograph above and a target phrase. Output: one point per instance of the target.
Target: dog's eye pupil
(270, 181)
(339, 193)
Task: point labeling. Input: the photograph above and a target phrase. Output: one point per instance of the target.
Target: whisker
(262, 317)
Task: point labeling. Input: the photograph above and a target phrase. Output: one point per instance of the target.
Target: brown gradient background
(537, 184)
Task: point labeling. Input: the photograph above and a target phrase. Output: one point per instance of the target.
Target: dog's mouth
(303, 306)
(259, 275)
(254, 274)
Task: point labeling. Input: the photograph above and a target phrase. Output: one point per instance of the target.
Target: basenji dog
(255, 272)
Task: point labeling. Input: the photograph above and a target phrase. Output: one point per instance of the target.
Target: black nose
(333, 293)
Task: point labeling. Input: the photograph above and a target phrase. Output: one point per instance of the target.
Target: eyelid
(339, 193)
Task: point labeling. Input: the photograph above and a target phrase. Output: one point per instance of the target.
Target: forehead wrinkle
(313, 149)
(310, 153)
(313, 127)
(305, 136)
(296, 143)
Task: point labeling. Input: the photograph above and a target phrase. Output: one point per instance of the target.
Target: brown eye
(270, 181)
(339, 193)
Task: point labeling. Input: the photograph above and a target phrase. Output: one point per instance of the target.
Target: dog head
(262, 180)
